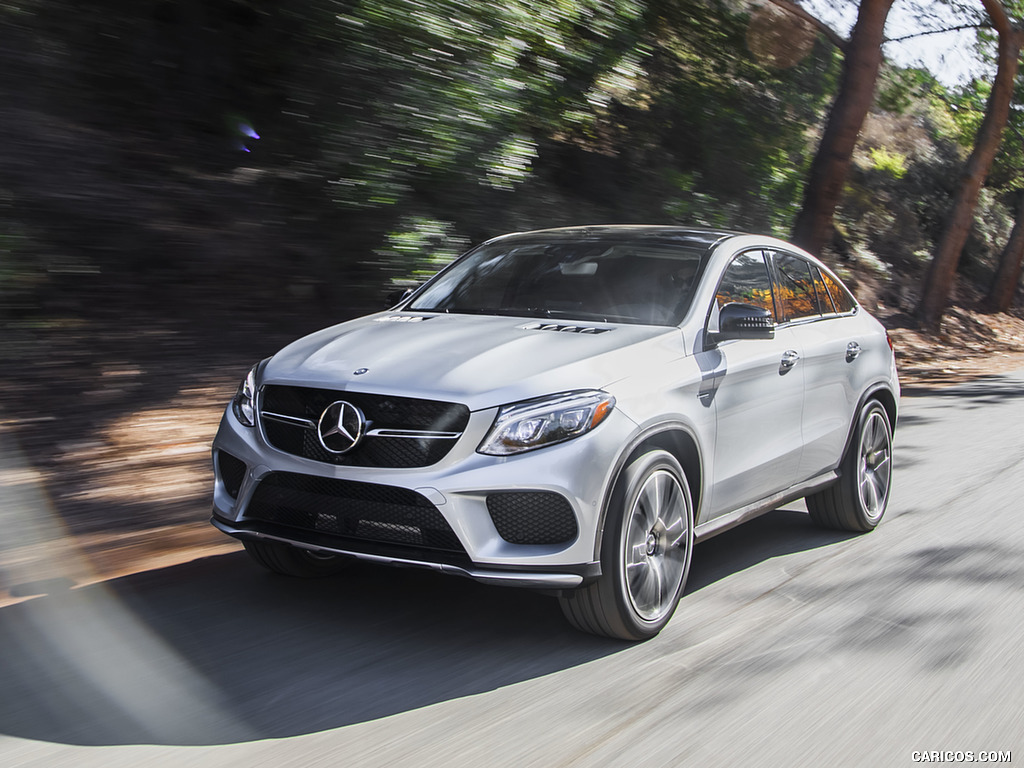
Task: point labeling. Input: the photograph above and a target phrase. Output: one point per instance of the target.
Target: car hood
(480, 361)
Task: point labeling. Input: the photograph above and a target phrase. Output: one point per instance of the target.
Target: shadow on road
(982, 390)
(217, 651)
(781, 532)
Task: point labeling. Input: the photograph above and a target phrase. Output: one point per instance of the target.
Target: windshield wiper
(457, 310)
(570, 314)
(562, 314)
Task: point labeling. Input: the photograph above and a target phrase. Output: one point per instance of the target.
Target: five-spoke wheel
(656, 554)
(645, 553)
(874, 469)
(857, 501)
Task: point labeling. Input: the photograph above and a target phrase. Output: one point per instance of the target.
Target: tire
(293, 561)
(857, 501)
(645, 554)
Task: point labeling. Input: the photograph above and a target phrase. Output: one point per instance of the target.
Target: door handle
(789, 359)
(852, 351)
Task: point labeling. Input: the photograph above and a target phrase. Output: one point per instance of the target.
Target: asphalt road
(793, 646)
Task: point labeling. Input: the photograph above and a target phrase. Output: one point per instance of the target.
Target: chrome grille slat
(414, 434)
(285, 419)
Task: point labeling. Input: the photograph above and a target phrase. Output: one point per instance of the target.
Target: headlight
(244, 404)
(554, 419)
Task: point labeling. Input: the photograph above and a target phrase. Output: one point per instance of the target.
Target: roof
(692, 237)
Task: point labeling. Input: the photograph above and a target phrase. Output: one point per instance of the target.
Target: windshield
(646, 282)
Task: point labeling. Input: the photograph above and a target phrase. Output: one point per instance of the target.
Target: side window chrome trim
(809, 320)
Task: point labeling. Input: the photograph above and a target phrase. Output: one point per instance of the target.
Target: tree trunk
(813, 227)
(938, 282)
(1004, 284)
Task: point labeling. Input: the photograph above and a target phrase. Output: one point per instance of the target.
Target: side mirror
(743, 321)
(398, 296)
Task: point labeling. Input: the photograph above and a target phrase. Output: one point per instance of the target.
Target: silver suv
(567, 410)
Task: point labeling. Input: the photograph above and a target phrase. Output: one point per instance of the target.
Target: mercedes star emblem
(341, 427)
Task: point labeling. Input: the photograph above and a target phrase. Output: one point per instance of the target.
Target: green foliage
(885, 161)
(991, 230)
(419, 246)
(1007, 173)
(429, 89)
(899, 90)
(734, 128)
(696, 207)
(442, 107)
(898, 203)
(967, 111)
(393, 133)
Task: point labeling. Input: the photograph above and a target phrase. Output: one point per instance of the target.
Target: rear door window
(842, 299)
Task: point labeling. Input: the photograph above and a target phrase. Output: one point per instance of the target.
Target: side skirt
(723, 523)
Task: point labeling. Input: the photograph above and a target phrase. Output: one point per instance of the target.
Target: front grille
(532, 517)
(381, 412)
(351, 510)
(232, 472)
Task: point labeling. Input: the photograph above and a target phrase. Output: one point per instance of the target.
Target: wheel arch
(677, 439)
(884, 395)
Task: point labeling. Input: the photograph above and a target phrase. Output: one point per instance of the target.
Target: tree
(1007, 175)
(1007, 277)
(813, 227)
(938, 282)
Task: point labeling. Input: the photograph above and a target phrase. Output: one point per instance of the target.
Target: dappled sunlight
(36, 553)
(972, 344)
(155, 455)
(93, 653)
(130, 473)
(88, 648)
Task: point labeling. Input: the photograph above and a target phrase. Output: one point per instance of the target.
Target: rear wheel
(857, 501)
(293, 561)
(645, 554)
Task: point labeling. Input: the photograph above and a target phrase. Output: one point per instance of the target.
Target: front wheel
(645, 554)
(857, 501)
(292, 561)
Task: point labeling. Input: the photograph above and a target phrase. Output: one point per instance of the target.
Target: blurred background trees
(862, 60)
(939, 277)
(227, 156)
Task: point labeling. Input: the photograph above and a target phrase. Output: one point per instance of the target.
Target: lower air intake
(232, 472)
(353, 511)
(532, 517)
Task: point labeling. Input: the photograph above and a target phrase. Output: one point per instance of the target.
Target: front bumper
(457, 489)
